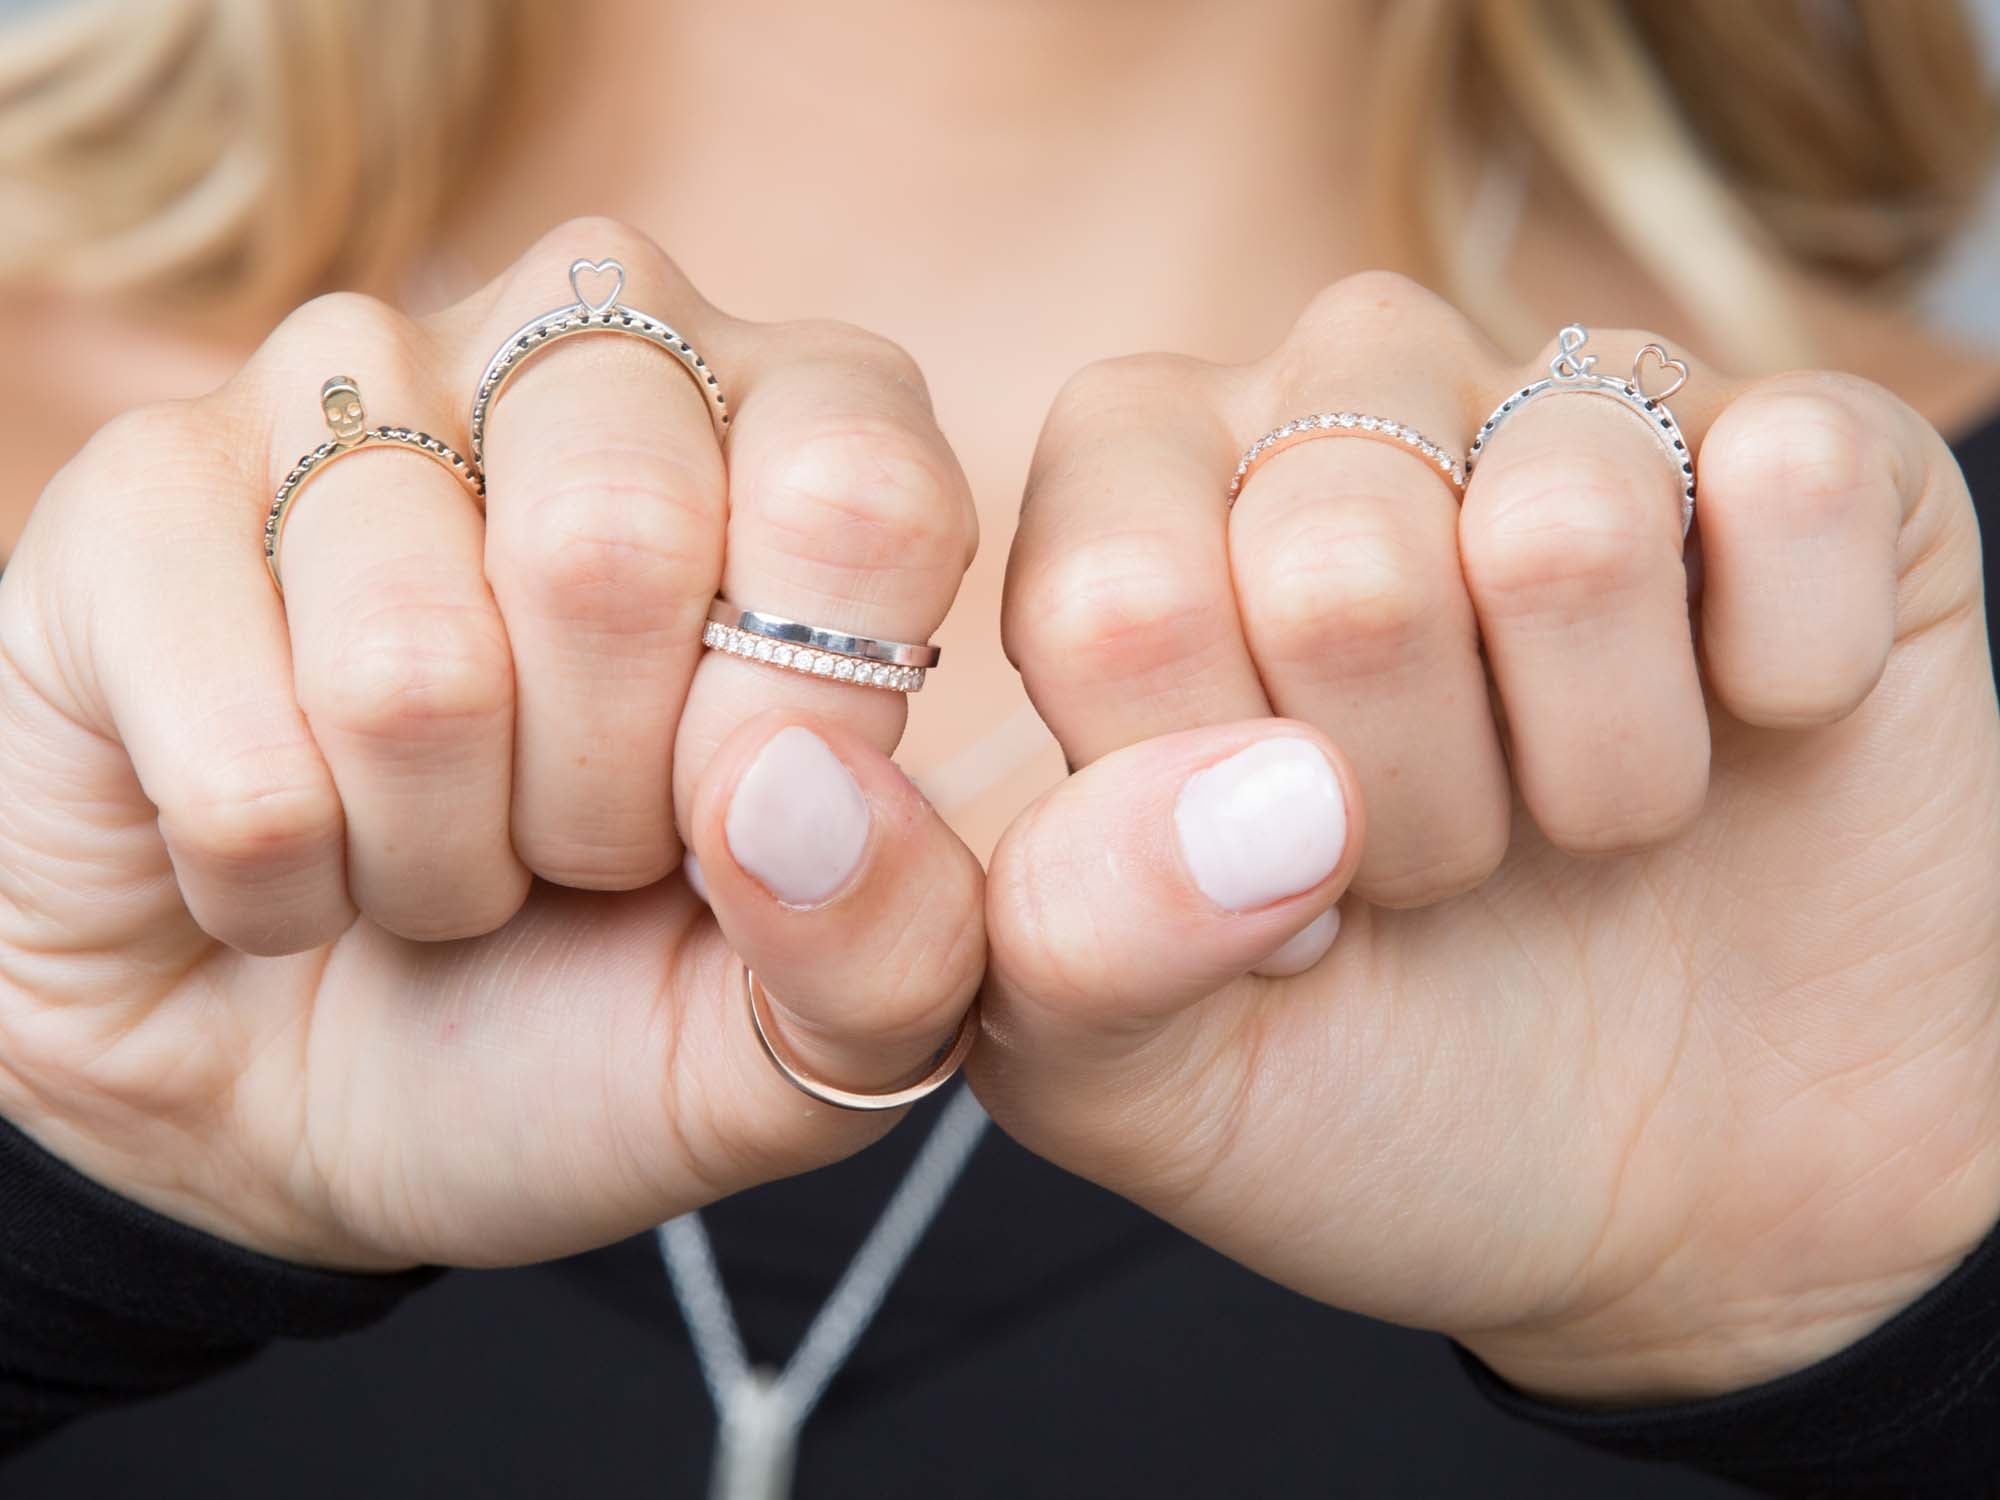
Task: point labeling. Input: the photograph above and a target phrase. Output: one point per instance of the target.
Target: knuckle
(161, 448)
(1629, 816)
(140, 431)
(1119, 606)
(621, 548)
(247, 812)
(1802, 457)
(562, 858)
(859, 348)
(1807, 695)
(1120, 384)
(868, 494)
(1624, 830)
(1359, 591)
(1469, 864)
(365, 329)
(415, 673)
(1364, 292)
(1549, 538)
(454, 919)
(1369, 309)
(598, 237)
(1367, 300)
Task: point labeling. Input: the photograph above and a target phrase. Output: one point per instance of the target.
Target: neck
(986, 144)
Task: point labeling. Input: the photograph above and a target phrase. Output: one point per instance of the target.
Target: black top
(1047, 1339)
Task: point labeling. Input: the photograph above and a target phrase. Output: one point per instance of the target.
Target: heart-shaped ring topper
(578, 269)
(1668, 364)
(1572, 364)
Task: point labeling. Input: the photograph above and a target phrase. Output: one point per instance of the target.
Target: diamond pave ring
(834, 655)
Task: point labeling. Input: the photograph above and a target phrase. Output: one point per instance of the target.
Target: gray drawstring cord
(759, 1412)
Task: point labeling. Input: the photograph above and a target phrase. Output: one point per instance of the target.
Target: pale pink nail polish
(1305, 948)
(798, 822)
(691, 872)
(1266, 823)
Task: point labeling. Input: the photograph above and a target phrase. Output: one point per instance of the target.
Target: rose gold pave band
(1348, 424)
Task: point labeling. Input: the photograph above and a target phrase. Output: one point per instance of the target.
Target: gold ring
(340, 404)
(935, 1077)
(1358, 424)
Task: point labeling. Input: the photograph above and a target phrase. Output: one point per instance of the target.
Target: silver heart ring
(588, 314)
(1573, 370)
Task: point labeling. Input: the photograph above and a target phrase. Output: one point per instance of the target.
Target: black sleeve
(103, 1301)
(1910, 1411)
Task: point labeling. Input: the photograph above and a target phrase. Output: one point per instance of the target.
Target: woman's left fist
(1658, 1048)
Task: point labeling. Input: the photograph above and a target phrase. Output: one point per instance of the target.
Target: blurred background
(1966, 291)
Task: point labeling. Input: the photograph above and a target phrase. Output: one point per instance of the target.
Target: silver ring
(604, 315)
(798, 647)
(1571, 370)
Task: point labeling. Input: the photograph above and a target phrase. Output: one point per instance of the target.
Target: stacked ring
(1347, 424)
(605, 315)
(798, 647)
(1572, 371)
(340, 403)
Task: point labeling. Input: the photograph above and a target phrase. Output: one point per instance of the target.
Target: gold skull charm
(340, 400)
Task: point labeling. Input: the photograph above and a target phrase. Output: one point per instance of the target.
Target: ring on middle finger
(1334, 424)
(605, 314)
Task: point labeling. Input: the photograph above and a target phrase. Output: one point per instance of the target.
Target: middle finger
(1344, 547)
(604, 544)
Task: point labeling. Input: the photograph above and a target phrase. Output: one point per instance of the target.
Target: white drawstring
(760, 1413)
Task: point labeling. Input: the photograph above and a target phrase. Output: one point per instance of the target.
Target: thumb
(837, 883)
(1160, 873)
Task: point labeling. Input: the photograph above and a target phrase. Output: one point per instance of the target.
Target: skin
(1693, 929)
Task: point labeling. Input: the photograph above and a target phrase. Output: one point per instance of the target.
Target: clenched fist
(1657, 1049)
(349, 925)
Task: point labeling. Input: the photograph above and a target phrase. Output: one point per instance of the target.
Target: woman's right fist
(274, 958)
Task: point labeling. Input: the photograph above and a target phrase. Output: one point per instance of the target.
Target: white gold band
(1572, 371)
(607, 315)
(799, 647)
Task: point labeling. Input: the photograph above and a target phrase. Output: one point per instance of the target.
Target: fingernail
(1266, 823)
(1305, 949)
(691, 871)
(798, 822)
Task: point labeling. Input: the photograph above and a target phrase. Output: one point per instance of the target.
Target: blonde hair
(1725, 145)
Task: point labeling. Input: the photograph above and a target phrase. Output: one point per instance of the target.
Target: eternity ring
(1571, 370)
(340, 403)
(606, 315)
(935, 1078)
(798, 647)
(1347, 424)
